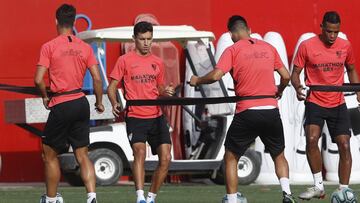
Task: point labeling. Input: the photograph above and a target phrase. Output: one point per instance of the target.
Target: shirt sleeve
(300, 58)
(91, 60)
(278, 62)
(225, 62)
(45, 56)
(119, 69)
(350, 58)
(160, 77)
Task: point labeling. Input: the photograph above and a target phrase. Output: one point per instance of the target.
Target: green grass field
(170, 193)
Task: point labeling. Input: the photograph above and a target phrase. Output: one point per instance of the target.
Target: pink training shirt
(251, 63)
(324, 66)
(67, 58)
(141, 76)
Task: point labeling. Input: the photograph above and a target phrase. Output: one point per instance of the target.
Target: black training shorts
(153, 130)
(68, 123)
(337, 118)
(251, 123)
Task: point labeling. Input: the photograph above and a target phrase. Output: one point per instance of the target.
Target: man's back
(67, 58)
(252, 63)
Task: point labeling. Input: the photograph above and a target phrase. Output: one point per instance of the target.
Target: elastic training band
(192, 101)
(346, 87)
(52, 94)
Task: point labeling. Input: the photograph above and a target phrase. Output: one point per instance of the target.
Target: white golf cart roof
(179, 33)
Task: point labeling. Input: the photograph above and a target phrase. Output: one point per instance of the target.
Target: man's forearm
(205, 80)
(211, 77)
(283, 84)
(98, 91)
(42, 88)
(112, 95)
(295, 80)
(208, 78)
(353, 77)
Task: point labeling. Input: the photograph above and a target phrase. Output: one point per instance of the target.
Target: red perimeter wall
(26, 25)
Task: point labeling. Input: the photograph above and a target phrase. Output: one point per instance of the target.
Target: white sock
(150, 197)
(140, 195)
(232, 198)
(318, 180)
(90, 196)
(50, 199)
(341, 186)
(285, 185)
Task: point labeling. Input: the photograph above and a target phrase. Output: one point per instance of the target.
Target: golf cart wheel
(108, 166)
(248, 169)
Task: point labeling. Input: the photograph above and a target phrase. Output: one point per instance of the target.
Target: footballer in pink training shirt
(323, 58)
(252, 63)
(67, 58)
(142, 77)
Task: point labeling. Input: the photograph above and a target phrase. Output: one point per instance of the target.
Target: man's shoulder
(51, 42)
(245, 43)
(127, 56)
(310, 41)
(156, 58)
(133, 56)
(81, 42)
(60, 40)
(236, 46)
(265, 44)
(343, 42)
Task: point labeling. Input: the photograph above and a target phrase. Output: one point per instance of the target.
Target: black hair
(236, 22)
(331, 17)
(142, 27)
(65, 15)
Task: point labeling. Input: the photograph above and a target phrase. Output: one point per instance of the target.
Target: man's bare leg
(282, 172)
(138, 170)
(345, 162)
(162, 168)
(281, 166)
(164, 153)
(52, 170)
(312, 148)
(87, 171)
(231, 175)
(315, 162)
